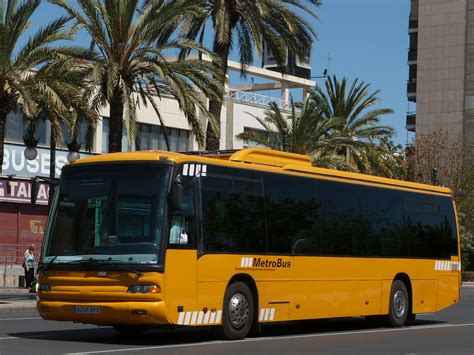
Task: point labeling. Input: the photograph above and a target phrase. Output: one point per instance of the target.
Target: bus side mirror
(176, 196)
(34, 189)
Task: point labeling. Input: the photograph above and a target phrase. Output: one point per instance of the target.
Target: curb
(9, 307)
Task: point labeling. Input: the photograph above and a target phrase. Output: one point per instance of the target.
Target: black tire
(237, 311)
(129, 331)
(399, 304)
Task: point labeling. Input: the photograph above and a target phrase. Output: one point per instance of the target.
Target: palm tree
(130, 38)
(36, 74)
(72, 85)
(250, 22)
(359, 121)
(303, 130)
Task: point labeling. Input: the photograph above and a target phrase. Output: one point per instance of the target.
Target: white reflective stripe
(206, 317)
(200, 317)
(437, 265)
(191, 169)
(272, 313)
(249, 262)
(262, 314)
(181, 318)
(185, 169)
(198, 169)
(188, 318)
(446, 266)
(267, 313)
(243, 262)
(204, 170)
(213, 317)
(218, 317)
(194, 318)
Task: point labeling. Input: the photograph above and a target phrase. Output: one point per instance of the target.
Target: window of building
(15, 129)
(249, 143)
(81, 135)
(151, 137)
(126, 146)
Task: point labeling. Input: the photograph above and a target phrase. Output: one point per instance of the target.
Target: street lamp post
(52, 154)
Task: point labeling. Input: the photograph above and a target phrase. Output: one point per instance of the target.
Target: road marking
(219, 342)
(25, 318)
(26, 337)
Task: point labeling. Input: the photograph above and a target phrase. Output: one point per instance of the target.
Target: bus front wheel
(238, 311)
(399, 304)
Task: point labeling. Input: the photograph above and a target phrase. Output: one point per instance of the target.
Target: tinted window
(232, 211)
(342, 219)
(386, 235)
(292, 209)
(430, 226)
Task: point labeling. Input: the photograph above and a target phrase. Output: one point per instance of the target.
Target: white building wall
(243, 119)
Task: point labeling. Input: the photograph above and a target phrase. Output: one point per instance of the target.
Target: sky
(364, 39)
(368, 39)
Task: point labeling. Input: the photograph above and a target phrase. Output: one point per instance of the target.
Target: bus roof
(258, 159)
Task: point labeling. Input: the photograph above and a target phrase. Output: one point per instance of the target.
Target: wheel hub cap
(238, 310)
(400, 303)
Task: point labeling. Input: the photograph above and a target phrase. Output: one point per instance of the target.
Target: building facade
(441, 68)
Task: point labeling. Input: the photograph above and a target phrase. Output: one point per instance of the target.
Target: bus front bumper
(104, 313)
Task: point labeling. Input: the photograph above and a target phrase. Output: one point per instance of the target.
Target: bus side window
(182, 222)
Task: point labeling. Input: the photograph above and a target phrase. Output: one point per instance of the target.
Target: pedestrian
(29, 265)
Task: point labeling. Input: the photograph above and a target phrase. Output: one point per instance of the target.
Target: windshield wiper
(48, 265)
(118, 264)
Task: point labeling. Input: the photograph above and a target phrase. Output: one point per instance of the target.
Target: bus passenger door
(181, 259)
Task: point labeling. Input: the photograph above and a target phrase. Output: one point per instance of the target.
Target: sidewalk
(15, 299)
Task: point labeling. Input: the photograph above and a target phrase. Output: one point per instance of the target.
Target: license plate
(87, 309)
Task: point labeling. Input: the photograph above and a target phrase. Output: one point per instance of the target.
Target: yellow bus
(239, 239)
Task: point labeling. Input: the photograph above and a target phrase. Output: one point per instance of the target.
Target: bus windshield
(109, 214)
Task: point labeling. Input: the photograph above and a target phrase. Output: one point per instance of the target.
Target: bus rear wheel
(399, 304)
(238, 311)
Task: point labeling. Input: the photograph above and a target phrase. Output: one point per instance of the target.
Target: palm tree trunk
(3, 120)
(215, 107)
(116, 122)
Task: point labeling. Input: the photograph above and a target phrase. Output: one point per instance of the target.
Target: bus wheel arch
(401, 290)
(242, 281)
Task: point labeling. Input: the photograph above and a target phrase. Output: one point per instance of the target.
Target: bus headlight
(144, 289)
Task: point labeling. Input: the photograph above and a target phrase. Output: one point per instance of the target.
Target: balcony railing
(412, 54)
(411, 121)
(411, 87)
(413, 24)
(250, 97)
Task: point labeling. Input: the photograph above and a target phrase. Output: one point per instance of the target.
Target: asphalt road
(450, 331)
